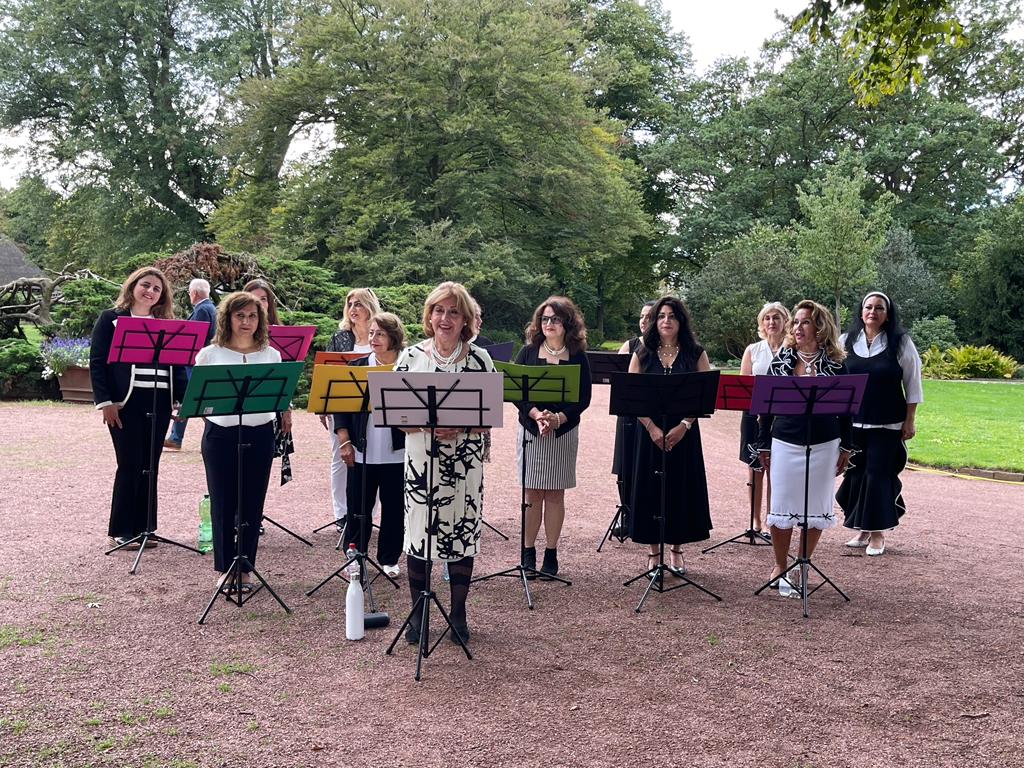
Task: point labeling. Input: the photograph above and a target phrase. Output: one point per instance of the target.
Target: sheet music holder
(235, 390)
(602, 365)
(292, 341)
(807, 396)
(470, 400)
(533, 384)
(154, 341)
(734, 394)
(657, 396)
(500, 352)
(337, 358)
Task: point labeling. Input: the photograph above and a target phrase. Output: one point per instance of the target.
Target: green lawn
(970, 424)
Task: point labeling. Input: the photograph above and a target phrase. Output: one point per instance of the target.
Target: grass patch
(11, 635)
(163, 712)
(970, 424)
(223, 669)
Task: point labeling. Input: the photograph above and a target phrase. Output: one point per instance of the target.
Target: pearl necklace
(809, 361)
(445, 361)
(553, 352)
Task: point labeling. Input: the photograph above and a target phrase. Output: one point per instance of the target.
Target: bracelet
(347, 442)
(688, 423)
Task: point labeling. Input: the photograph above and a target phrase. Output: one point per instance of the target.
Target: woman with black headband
(872, 494)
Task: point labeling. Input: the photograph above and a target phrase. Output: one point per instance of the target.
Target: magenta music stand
(292, 341)
(151, 341)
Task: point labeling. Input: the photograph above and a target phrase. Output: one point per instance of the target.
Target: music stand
(345, 389)
(807, 396)
(656, 395)
(292, 341)
(534, 384)
(734, 395)
(151, 341)
(602, 366)
(235, 390)
(469, 400)
(502, 351)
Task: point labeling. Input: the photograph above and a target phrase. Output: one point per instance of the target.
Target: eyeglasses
(550, 320)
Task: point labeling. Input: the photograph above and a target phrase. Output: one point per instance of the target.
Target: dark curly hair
(572, 322)
(689, 349)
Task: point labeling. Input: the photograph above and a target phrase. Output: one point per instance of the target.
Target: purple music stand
(734, 393)
(151, 341)
(292, 341)
(502, 351)
(807, 396)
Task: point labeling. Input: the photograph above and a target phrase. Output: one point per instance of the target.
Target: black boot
(530, 562)
(550, 566)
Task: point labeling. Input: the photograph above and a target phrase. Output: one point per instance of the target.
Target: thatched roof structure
(13, 262)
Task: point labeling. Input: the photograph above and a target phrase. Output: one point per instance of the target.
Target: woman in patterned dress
(457, 467)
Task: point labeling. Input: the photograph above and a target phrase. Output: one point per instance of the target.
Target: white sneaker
(391, 570)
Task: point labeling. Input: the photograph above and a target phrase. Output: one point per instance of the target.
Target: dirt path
(922, 668)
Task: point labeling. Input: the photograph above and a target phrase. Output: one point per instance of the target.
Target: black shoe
(620, 532)
(119, 541)
(530, 562)
(463, 630)
(550, 566)
(412, 634)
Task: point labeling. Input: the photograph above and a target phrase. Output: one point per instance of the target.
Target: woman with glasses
(669, 347)
(455, 500)
(353, 335)
(555, 336)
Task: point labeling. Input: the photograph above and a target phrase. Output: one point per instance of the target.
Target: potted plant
(68, 360)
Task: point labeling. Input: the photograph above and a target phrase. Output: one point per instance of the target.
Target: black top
(112, 382)
(342, 341)
(355, 423)
(793, 429)
(530, 355)
(884, 399)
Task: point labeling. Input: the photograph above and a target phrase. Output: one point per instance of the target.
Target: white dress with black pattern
(458, 474)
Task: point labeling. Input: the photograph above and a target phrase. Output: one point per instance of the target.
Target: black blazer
(530, 355)
(112, 382)
(356, 424)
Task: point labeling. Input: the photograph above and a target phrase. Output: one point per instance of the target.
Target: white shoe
(785, 588)
(858, 542)
(875, 551)
(391, 570)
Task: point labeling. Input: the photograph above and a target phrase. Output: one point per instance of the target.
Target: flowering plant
(60, 354)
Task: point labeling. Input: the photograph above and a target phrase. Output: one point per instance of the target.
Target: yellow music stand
(341, 388)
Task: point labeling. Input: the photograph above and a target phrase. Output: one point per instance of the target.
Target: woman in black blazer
(379, 453)
(555, 336)
(124, 393)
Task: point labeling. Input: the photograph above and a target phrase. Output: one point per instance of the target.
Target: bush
(935, 332)
(21, 371)
(406, 301)
(968, 362)
(84, 301)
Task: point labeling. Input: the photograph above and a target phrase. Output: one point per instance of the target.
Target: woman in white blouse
(772, 322)
(872, 493)
(242, 338)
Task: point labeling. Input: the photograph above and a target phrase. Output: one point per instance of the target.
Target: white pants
(339, 479)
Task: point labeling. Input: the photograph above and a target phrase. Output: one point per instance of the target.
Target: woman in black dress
(669, 347)
(124, 393)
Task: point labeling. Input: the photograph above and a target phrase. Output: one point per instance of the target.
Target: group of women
(443, 522)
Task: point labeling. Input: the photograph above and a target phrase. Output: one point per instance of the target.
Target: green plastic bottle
(205, 526)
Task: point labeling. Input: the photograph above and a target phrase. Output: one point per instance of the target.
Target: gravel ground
(97, 667)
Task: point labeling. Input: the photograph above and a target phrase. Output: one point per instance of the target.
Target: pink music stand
(292, 341)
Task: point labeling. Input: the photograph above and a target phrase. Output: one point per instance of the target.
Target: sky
(715, 29)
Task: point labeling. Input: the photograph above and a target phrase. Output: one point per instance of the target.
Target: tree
(838, 245)
(905, 277)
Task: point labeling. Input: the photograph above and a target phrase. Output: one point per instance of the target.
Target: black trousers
(388, 481)
(220, 455)
(132, 442)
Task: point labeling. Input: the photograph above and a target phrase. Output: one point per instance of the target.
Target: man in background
(202, 309)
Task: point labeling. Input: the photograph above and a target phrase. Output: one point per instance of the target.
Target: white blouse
(214, 355)
(378, 440)
(760, 357)
(909, 360)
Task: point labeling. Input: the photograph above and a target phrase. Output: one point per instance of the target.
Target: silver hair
(199, 285)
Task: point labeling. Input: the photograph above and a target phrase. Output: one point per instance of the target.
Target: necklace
(553, 352)
(442, 360)
(809, 361)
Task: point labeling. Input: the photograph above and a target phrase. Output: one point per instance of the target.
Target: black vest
(884, 400)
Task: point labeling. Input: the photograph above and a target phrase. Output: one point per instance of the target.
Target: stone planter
(76, 385)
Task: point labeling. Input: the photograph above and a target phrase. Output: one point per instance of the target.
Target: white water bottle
(355, 627)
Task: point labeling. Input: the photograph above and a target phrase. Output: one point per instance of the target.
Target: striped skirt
(550, 460)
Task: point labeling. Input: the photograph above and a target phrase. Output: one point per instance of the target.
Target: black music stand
(602, 366)
(468, 400)
(658, 396)
(235, 390)
(345, 389)
(734, 395)
(807, 396)
(534, 384)
(150, 341)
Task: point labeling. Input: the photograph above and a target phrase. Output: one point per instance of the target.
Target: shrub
(59, 354)
(84, 301)
(406, 301)
(935, 332)
(968, 362)
(20, 365)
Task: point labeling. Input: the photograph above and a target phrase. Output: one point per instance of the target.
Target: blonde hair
(826, 331)
(365, 295)
(463, 302)
(391, 324)
(772, 306)
(164, 307)
(232, 303)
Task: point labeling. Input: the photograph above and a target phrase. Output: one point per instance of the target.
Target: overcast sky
(715, 29)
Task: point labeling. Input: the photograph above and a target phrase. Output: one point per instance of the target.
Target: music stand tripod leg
(290, 532)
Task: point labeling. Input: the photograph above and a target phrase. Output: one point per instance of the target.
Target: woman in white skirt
(555, 336)
(811, 348)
